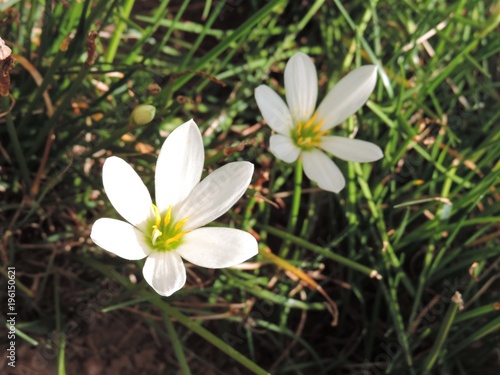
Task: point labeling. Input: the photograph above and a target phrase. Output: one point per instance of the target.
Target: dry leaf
(5, 51)
(144, 148)
(91, 48)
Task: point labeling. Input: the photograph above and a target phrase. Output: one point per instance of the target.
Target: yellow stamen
(157, 216)
(308, 134)
(317, 128)
(311, 121)
(175, 238)
(168, 216)
(321, 134)
(180, 224)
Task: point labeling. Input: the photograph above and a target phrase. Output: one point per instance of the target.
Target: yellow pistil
(308, 135)
(156, 233)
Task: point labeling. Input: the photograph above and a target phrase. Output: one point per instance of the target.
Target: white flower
(169, 230)
(302, 131)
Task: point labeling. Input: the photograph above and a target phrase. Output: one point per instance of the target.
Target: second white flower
(304, 132)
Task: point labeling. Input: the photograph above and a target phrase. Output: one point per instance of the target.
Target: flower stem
(297, 191)
(120, 28)
(294, 212)
(61, 338)
(177, 345)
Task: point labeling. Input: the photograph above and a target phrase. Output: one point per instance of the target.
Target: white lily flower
(171, 229)
(303, 132)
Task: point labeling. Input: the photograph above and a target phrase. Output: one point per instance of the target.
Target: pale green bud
(143, 114)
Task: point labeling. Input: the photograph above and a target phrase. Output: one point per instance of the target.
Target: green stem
(176, 343)
(391, 296)
(297, 192)
(243, 30)
(208, 336)
(483, 310)
(61, 344)
(116, 38)
(442, 335)
(422, 280)
(61, 367)
(294, 212)
(247, 218)
(159, 15)
(489, 328)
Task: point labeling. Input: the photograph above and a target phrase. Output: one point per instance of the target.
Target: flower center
(307, 135)
(166, 233)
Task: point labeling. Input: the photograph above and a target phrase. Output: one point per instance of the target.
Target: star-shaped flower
(303, 132)
(171, 229)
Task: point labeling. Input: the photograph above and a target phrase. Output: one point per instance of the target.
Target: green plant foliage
(404, 259)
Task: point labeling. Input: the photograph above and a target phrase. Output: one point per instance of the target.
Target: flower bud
(143, 114)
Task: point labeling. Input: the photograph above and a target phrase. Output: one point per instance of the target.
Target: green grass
(426, 217)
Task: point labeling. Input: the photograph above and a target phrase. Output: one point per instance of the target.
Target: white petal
(352, 149)
(165, 272)
(216, 194)
(120, 238)
(318, 167)
(347, 96)
(126, 191)
(218, 247)
(301, 85)
(179, 165)
(273, 109)
(283, 148)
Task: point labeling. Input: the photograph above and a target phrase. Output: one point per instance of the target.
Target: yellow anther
(175, 238)
(168, 216)
(156, 233)
(180, 224)
(311, 121)
(321, 134)
(308, 134)
(318, 126)
(157, 216)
